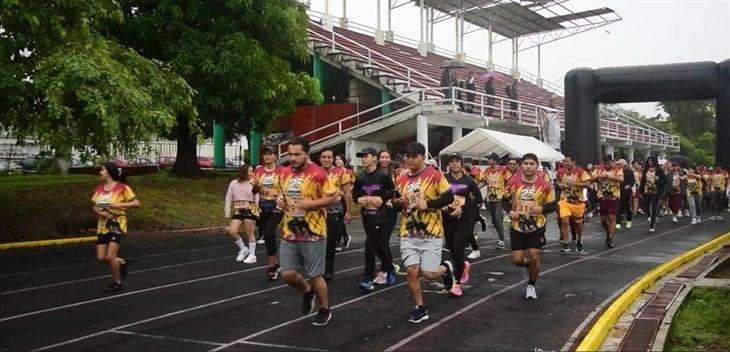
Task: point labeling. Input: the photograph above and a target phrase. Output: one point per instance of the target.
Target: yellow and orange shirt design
(573, 194)
(428, 185)
(340, 177)
(609, 189)
(525, 197)
(120, 193)
(267, 182)
(495, 179)
(311, 182)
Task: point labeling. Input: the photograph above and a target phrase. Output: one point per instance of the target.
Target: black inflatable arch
(585, 88)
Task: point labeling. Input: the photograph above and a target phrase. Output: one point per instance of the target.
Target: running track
(187, 293)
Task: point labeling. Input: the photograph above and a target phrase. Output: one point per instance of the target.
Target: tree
(64, 83)
(235, 53)
(691, 118)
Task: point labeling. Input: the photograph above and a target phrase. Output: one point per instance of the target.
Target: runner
(513, 165)
(694, 195)
(240, 196)
(470, 170)
(676, 180)
(306, 192)
(608, 179)
(495, 177)
(112, 197)
(652, 187)
(386, 164)
(531, 199)
(572, 180)
(338, 213)
(718, 187)
(592, 193)
(343, 238)
(636, 203)
(266, 178)
(625, 214)
(459, 218)
(424, 191)
(372, 189)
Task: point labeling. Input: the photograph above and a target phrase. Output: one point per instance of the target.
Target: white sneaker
(679, 214)
(694, 222)
(674, 219)
(242, 255)
(712, 218)
(380, 278)
(686, 213)
(651, 229)
(530, 292)
(699, 220)
(260, 241)
(474, 255)
(718, 218)
(500, 244)
(251, 259)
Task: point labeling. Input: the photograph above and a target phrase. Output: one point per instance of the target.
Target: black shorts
(105, 238)
(245, 214)
(520, 241)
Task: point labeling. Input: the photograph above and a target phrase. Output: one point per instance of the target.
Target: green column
(318, 73)
(254, 142)
(384, 98)
(219, 144)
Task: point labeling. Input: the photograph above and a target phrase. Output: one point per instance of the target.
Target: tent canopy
(480, 142)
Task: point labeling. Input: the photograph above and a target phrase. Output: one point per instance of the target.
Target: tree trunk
(186, 161)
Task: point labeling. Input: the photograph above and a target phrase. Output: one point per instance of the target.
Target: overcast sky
(651, 32)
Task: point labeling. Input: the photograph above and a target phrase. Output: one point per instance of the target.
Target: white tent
(480, 142)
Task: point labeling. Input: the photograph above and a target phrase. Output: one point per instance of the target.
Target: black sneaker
(609, 242)
(328, 276)
(273, 273)
(113, 287)
(346, 242)
(418, 315)
(448, 277)
(566, 248)
(579, 247)
(124, 268)
(323, 317)
(308, 303)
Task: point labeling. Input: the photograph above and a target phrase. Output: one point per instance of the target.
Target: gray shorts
(423, 251)
(304, 256)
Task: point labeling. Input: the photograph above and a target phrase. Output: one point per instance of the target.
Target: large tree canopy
(64, 83)
(236, 54)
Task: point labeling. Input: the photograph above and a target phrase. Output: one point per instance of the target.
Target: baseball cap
(415, 148)
(493, 156)
(455, 155)
(268, 148)
(366, 151)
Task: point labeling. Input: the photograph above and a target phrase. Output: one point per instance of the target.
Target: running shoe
(367, 285)
(651, 229)
(718, 218)
(674, 219)
(500, 244)
(418, 315)
(609, 242)
(694, 222)
(456, 291)
(565, 249)
(680, 214)
(338, 248)
(396, 268)
(465, 274)
(618, 226)
(346, 242)
(390, 278)
(448, 277)
(323, 317)
(506, 218)
(113, 287)
(579, 247)
(242, 255)
(308, 302)
(328, 276)
(251, 259)
(260, 240)
(124, 268)
(475, 254)
(628, 224)
(699, 219)
(530, 292)
(380, 278)
(273, 273)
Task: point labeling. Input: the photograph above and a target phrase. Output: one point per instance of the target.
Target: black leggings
(457, 233)
(334, 226)
(268, 222)
(652, 207)
(624, 207)
(391, 219)
(375, 244)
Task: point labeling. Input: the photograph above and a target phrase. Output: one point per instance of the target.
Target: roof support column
(539, 66)
(343, 21)
(490, 63)
(515, 59)
(327, 20)
(424, 47)
(379, 34)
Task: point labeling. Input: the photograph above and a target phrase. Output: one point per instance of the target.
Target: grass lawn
(38, 207)
(702, 322)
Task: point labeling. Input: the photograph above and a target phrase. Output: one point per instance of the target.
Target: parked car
(234, 162)
(165, 161)
(142, 161)
(204, 161)
(34, 164)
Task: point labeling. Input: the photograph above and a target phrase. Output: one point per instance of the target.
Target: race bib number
(526, 207)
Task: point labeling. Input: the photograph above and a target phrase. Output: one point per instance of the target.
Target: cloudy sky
(651, 32)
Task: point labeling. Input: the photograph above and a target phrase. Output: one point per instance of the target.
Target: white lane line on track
(451, 316)
(161, 337)
(286, 347)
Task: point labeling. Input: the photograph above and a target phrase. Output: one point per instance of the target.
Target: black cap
(366, 151)
(415, 148)
(268, 148)
(455, 155)
(493, 156)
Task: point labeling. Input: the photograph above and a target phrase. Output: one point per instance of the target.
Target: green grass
(46, 206)
(702, 322)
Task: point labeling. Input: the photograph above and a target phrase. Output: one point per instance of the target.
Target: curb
(87, 239)
(606, 321)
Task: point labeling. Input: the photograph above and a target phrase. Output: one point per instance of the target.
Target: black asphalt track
(185, 292)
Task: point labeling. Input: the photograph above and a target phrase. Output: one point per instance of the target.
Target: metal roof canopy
(543, 20)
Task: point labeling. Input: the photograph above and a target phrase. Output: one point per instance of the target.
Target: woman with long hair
(652, 188)
(241, 197)
(387, 164)
(112, 197)
(343, 242)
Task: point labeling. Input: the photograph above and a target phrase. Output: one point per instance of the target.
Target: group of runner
(312, 203)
